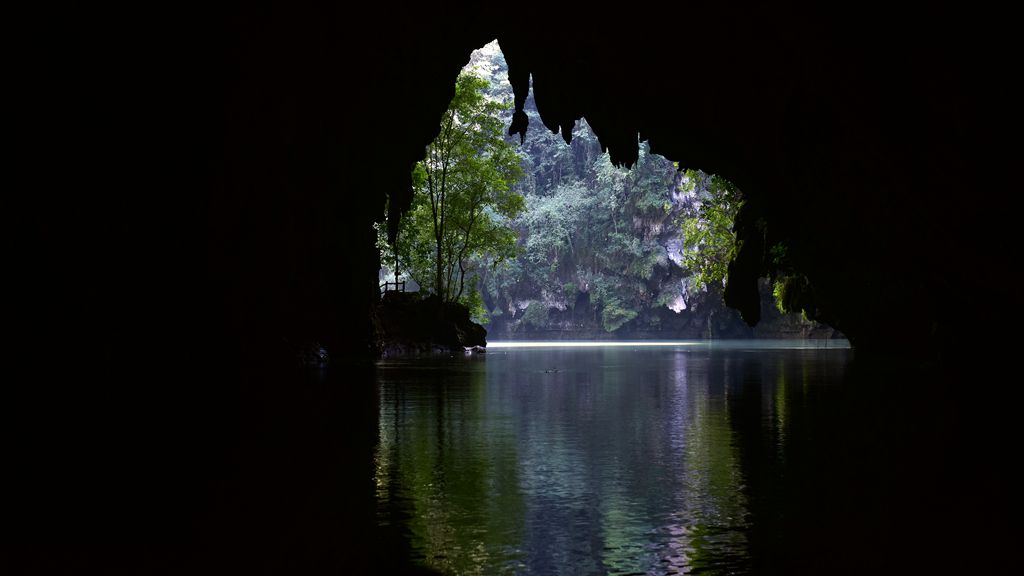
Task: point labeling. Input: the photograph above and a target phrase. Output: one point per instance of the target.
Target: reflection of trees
(711, 489)
(453, 468)
(603, 460)
(783, 419)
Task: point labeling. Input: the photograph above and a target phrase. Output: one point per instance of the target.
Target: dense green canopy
(463, 198)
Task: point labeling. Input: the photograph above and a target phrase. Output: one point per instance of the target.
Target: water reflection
(596, 460)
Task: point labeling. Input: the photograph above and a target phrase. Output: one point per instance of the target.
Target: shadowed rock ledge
(407, 324)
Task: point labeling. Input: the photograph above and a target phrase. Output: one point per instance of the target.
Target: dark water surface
(626, 460)
(720, 458)
(729, 458)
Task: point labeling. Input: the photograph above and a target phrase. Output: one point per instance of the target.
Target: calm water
(730, 458)
(624, 459)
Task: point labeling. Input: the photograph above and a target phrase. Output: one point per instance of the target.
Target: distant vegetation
(549, 236)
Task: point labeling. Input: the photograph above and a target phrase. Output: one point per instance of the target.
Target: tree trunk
(439, 280)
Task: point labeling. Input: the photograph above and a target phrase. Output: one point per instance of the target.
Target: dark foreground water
(706, 458)
(711, 458)
(724, 458)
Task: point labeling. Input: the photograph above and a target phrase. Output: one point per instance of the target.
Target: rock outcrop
(406, 324)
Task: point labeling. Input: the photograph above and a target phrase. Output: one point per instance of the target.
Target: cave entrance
(547, 238)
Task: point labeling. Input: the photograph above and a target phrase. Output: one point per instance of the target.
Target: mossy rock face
(406, 323)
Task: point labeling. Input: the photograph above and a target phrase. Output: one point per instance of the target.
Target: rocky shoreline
(406, 324)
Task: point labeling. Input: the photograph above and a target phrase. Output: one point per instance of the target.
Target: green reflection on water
(604, 460)
(456, 470)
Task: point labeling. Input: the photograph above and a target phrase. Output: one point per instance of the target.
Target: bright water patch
(705, 344)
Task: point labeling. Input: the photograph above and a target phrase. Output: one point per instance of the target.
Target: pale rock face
(674, 248)
(677, 305)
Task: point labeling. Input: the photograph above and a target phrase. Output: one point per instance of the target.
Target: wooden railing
(398, 286)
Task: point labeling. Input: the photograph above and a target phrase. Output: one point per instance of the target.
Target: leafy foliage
(708, 239)
(595, 230)
(603, 246)
(463, 202)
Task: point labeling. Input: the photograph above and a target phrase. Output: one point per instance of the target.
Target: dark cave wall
(320, 129)
(214, 210)
(861, 140)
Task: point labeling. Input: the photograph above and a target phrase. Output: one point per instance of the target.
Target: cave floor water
(667, 458)
(701, 458)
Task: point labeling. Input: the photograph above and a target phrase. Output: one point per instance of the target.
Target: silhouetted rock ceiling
(222, 169)
(866, 140)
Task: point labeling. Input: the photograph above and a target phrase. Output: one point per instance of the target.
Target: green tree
(463, 198)
(709, 242)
